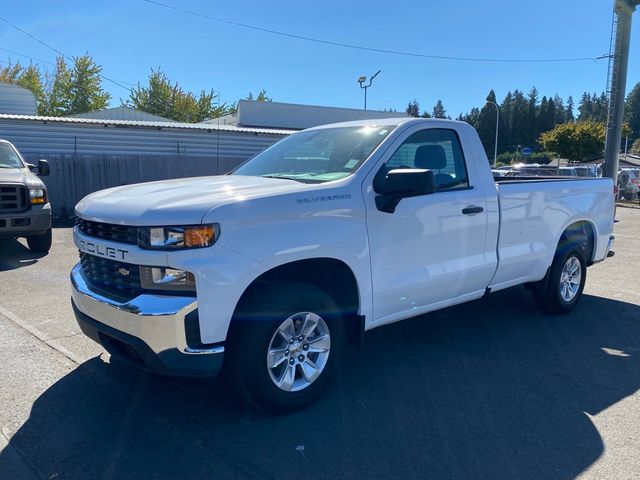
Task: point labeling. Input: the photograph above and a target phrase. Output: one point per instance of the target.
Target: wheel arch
(329, 274)
(581, 233)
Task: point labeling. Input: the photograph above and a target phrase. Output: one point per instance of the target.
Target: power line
(365, 48)
(46, 62)
(56, 50)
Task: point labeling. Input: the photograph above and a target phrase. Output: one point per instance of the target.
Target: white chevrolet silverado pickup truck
(330, 232)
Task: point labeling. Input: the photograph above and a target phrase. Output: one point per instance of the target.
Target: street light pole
(495, 147)
(361, 81)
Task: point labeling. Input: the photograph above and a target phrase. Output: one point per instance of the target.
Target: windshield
(9, 157)
(316, 156)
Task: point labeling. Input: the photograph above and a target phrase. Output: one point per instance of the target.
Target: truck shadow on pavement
(14, 254)
(490, 389)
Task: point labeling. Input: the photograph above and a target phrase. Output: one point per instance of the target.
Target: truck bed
(534, 211)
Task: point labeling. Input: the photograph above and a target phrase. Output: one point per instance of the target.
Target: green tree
(635, 148)
(506, 119)
(413, 108)
(261, 97)
(546, 118)
(560, 115)
(520, 123)
(632, 112)
(85, 92)
(11, 72)
(167, 99)
(439, 110)
(575, 141)
(31, 79)
(568, 115)
(58, 101)
(486, 124)
(532, 114)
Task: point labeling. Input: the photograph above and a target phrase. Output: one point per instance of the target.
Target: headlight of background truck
(177, 238)
(37, 196)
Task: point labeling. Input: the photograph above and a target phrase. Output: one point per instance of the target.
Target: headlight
(176, 238)
(166, 278)
(37, 196)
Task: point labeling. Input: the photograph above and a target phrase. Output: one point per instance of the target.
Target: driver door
(429, 252)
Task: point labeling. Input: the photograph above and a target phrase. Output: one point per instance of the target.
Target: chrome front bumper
(153, 323)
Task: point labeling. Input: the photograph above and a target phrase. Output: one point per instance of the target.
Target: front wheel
(561, 291)
(284, 351)
(40, 243)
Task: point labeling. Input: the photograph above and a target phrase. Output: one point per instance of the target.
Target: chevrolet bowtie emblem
(124, 272)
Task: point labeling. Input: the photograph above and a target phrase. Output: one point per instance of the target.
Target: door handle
(472, 209)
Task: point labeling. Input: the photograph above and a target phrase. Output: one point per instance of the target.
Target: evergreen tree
(585, 108)
(58, 101)
(261, 97)
(413, 108)
(560, 116)
(532, 113)
(486, 124)
(425, 114)
(568, 115)
(439, 110)
(167, 99)
(85, 87)
(506, 122)
(521, 133)
(31, 79)
(11, 72)
(546, 116)
(632, 112)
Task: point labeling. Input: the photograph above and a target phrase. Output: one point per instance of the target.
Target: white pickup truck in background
(328, 233)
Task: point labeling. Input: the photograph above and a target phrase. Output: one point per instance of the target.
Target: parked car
(24, 205)
(278, 265)
(532, 170)
(629, 183)
(569, 172)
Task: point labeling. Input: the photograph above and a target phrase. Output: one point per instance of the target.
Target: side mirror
(43, 168)
(401, 183)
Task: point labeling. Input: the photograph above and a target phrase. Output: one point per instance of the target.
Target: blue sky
(129, 37)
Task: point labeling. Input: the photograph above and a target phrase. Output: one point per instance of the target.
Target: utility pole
(617, 82)
(361, 81)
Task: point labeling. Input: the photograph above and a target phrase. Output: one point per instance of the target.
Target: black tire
(40, 243)
(250, 336)
(547, 292)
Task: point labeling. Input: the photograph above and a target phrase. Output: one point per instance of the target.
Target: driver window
(434, 149)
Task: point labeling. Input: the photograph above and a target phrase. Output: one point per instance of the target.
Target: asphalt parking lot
(490, 389)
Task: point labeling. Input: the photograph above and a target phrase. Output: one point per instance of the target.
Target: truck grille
(116, 278)
(13, 198)
(108, 231)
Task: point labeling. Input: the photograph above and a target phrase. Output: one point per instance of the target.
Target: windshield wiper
(282, 177)
(8, 166)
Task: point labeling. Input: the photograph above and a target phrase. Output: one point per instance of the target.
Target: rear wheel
(284, 349)
(40, 243)
(561, 291)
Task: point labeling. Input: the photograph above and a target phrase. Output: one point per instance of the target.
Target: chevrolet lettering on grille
(94, 248)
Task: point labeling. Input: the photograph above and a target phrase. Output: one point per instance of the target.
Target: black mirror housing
(400, 183)
(43, 168)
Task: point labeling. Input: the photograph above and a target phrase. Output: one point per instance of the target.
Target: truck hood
(19, 175)
(178, 202)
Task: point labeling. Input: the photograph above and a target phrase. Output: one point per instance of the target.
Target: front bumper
(152, 332)
(35, 221)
